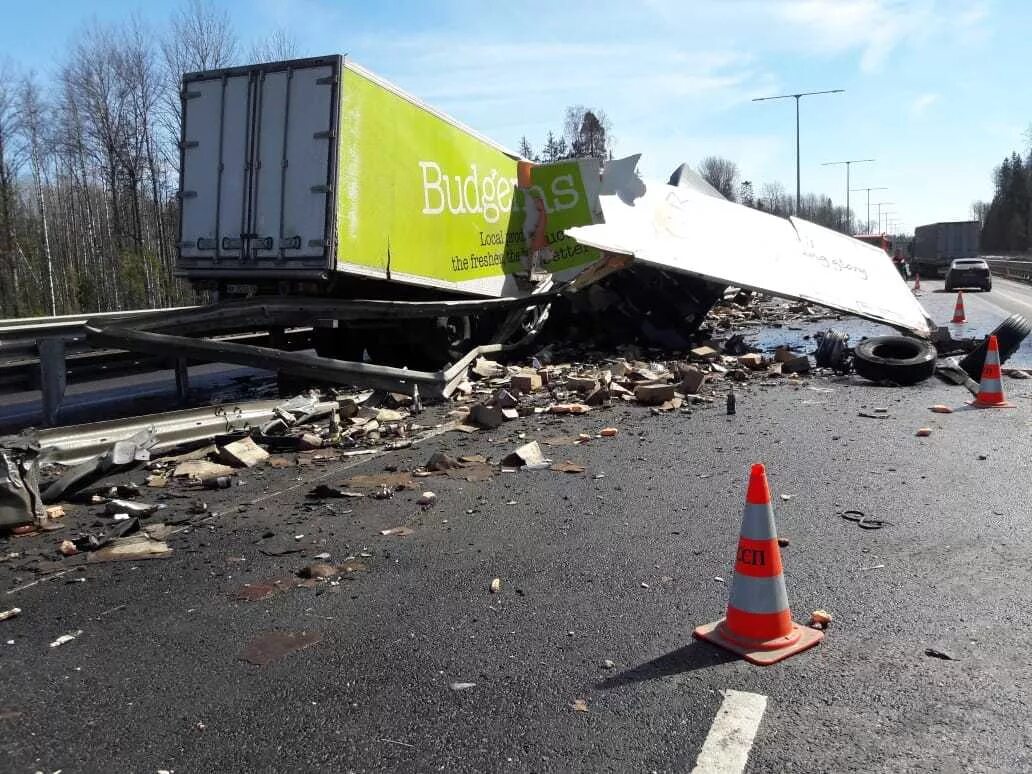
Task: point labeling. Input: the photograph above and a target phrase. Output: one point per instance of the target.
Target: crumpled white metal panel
(685, 230)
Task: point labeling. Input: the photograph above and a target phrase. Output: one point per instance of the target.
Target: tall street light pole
(796, 97)
(873, 188)
(879, 212)
(848, 163)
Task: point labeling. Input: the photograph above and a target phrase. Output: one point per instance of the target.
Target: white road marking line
(730, 738)
(1009, 297)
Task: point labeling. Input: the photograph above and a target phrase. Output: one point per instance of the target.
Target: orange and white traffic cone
(990, 389)
(758, 625)
(958, 310)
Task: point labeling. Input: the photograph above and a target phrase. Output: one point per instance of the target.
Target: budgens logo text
(490, 195)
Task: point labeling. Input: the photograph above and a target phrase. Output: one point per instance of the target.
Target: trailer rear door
(258, 167)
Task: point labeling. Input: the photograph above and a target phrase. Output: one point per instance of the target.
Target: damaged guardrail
(273, 312)
(1015, 270)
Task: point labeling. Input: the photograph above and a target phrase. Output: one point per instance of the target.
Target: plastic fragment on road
(608, 432)
(569, 408)
(427, 500)
(198, 470)
(131, 548)
(496, 585)
(529, 454)
(66, 638)
(8, 614)
(940, 409)
(319, 570)
(579, 705)
(461, 686)
(270, 646)
(128, 506)
(396, 532)
(566, 466)
(923, 432)
(487, 369)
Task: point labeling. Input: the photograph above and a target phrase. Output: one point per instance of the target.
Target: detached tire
(896, 359)
(1009, 335)
(833, 351)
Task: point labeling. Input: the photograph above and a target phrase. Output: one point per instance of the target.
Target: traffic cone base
(978, 402)
(761, 653)
(758, 625)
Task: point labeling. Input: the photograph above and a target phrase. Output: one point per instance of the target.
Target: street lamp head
(797, 96)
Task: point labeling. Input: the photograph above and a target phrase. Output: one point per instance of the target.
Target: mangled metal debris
(681, 228)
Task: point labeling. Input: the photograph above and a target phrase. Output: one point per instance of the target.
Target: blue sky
(936, 91)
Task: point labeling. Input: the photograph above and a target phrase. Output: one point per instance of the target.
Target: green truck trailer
(317, 177)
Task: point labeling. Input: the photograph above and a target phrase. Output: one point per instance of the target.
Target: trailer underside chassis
(368, 325)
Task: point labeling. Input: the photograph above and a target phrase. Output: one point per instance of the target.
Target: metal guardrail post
(53, 378)
(182, 380)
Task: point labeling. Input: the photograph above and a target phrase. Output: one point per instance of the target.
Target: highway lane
(617, 564)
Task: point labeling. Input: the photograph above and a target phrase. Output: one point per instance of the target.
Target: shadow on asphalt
(695, 655)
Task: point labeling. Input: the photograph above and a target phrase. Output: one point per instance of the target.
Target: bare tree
(200, 37)
(979, 210)
(720, 173)
(275, 47)
(774, 199)
(588, 132)
(10, 293)
(33, 120)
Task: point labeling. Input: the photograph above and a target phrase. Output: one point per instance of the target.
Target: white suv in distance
(969, 273)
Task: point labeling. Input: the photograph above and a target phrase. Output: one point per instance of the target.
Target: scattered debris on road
(274, 645)
(65, 638)
(820, 619)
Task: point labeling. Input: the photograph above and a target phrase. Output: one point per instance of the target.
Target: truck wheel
(988, 286)
(949, 287)
(897, 359)
(1009, 335)
(833, 351)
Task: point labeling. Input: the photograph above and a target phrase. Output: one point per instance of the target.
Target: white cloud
(922, 103)
(878, 28)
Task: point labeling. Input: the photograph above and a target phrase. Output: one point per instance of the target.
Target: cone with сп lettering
(990, 389)
(758, 625)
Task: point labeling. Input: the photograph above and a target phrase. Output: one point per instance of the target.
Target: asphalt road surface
(616, 564)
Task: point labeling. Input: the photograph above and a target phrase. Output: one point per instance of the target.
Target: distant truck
(936, 245)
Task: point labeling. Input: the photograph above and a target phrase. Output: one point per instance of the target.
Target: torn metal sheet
(684, 228)
(20, 501)
(77, 443)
